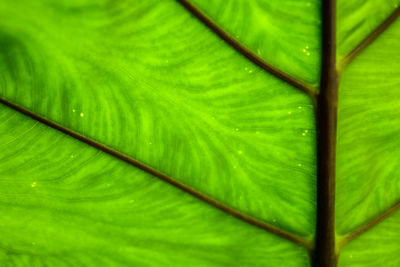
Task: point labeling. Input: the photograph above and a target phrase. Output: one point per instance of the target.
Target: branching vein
(368, 225)
(242, 216)
(248, 53)
(369, 39)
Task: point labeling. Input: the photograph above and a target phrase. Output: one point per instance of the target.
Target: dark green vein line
(368, 225)
(369, 39)
(246, 52)
(242, 216)
(325, 252)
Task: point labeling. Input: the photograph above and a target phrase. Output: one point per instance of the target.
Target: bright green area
(150, 80)
(285, 34)
(64, 203)
(379, 246)
(368, 141)
(356, 19)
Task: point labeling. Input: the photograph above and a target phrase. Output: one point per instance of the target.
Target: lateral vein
(302, 241)
(369, 39)
(312, 92)
(368, 225)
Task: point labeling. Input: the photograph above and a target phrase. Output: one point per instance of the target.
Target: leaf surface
(378, 247)
(286, 34)
(358, 18)
(171, 95)
(152, 84)
(64, 203)
(368, 133)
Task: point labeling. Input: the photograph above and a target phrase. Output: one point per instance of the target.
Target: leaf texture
(368, 133)
(358, 18)
(64, 203)
(378, 247)
(151, 81)
(171, 95)
(286, 34)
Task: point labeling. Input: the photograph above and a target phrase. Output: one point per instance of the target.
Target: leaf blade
(377, 247)
(357, 19)
(86, 208)
(367, 133)
(169, 109)
(284, 34)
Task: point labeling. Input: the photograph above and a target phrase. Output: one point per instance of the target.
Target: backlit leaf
(183, 133)
(176, 98)
(64, 203)
(284, 33)
(368, 133)
(378, 247)
(358, 18)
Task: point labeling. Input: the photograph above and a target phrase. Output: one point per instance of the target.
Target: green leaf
(183, 133)
(177, 99)
(377, 247)
(358, 18)
(286, 34)
(65, 203)
(368, 129)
